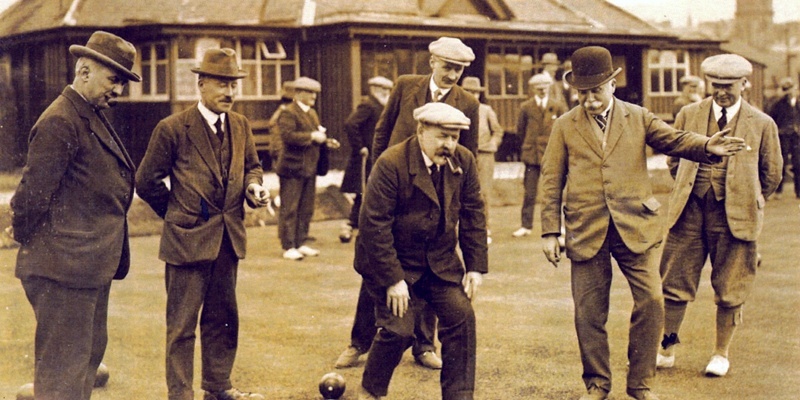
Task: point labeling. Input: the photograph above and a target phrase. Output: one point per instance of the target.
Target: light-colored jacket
(490, 132)
(751, 176)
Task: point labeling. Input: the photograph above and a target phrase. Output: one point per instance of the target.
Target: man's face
(595, 100)
(727, 94)
(217, 93)
(690, 89)
(445, 74)
(306, 97)
(381, 93)
(438, 142)
(551, 69)
(102, 85)
(540, 91)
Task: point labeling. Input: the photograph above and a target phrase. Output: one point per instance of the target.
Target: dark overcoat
(360, 130)
(300, 156)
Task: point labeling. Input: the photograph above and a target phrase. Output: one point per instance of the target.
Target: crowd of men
(421, 165)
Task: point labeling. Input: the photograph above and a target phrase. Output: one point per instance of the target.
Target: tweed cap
(472, 84)
(550, 58)
(441, 114)
(690, 80)
(787, 83)
(380, 81)
(111, 51)
(540, 79)
(307, 84)
(452, 50)
(726, 68)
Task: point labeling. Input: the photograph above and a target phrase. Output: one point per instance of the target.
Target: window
(666, 70)
(152, 64)
(508, 69)
(392, 60)
(268, 64)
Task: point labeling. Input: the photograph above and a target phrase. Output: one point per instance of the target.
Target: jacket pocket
(182, 220)
(652, 205)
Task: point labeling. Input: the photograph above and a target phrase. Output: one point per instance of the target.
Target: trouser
(210, 287)
(530, 182)
(364, 328)
(790, 149)
(591, 285)
(486, 177)
(71, 337)
(297, 208)
(355, 211)
(456, 332)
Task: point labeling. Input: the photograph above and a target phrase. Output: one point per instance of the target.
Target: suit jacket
(535, 124)
(360, 129)
(751, 175)
(398, 227)
(411, 92)
(70, 207)
(198, 206)
(300, 155)
(786, 117)
(611, 184)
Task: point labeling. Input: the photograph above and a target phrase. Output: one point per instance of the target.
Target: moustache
(444, 152)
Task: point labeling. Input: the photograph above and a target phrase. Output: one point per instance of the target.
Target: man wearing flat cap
(691, 92)
(597, 153)
(304, 145)
(786, 113)
(422, 202)
(449, 57)
(208, 153)
(716, 209)
(69, 216)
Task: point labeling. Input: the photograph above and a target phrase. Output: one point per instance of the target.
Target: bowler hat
(110, 50)
(220, 63)
(473, 84)
(591, 67)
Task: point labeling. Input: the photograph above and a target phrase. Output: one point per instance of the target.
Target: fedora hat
(591, 67)
(472, 84)
(220, 63)
(111, 51)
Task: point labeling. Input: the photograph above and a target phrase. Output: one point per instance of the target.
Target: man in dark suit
(786, 113)
(207, 151)
(422, 201)
(597, 152)
(304, 140)
(69, 215)
(716, 210)
(449, 57)
(360, 129)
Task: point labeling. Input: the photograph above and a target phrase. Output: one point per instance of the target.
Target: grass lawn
(296, 319)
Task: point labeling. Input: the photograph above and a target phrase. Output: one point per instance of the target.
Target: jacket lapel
(99, 126)
(451, 178)
(420, 176)
(196, 131)
(586, 131)
(619, 120)
(421, 93)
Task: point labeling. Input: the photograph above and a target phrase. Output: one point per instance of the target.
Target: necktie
(218, 126)
(437, 94)
(723, 119)
(436, 177)
(601, 120)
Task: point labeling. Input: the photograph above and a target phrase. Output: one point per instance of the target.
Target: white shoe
(663, 361)
(308, 251)
(293, 254)
(718, 366)
(488, 240)
(521, 232)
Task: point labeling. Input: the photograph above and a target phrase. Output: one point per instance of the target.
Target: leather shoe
(349, 357)
(595, 393)
(717, 366)
(642, 394)
(232, 394)
(430, 360)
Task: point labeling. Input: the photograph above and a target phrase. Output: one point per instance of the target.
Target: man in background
(691, 92)
(786, 113)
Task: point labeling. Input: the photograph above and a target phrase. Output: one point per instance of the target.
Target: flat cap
(540, 79)
(307, 84)
(550, 58)
(380, 81)
(452, 50)
(787, 83)
(441, 114)
(726, 68)
(690, 80)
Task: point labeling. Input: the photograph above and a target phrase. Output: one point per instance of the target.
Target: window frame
(668, 60)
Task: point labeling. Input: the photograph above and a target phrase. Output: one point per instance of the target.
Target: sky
(675, 11)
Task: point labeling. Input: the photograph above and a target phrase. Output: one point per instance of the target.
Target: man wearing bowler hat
(716, 209)
(207, 151)
(610, 211)
(69, 215)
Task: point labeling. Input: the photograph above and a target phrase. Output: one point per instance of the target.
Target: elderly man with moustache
(716, 209)
(69, 215)
(422, 203)
(597, 153)
(208, 153)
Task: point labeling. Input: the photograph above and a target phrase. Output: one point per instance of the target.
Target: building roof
(595, 17)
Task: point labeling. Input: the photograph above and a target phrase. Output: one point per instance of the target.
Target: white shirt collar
(731, 111)
(210, 116)
(541, 102)
(428, 161)
(607, 112)
(303, 106)
(433, 87)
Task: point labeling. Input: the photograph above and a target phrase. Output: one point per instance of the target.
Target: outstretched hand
(723, 145)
